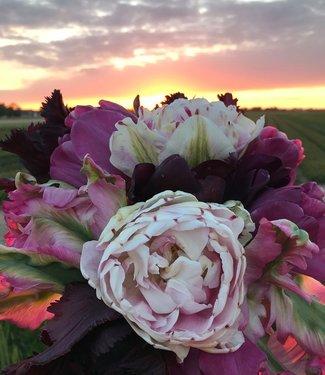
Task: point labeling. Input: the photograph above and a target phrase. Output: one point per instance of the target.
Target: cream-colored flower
(196, 129)
(173, 266)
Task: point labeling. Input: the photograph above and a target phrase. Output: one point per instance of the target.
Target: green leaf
(3, 196)
(309, 318)
(274, 365)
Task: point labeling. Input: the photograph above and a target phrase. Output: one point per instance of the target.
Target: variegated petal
(198, 139)
(29, 283)
(134, 143)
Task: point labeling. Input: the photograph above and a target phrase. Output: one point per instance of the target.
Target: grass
(10, 163)
(17, 343)
(309, 126)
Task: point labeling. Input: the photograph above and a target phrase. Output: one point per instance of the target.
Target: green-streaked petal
(40, 268)
(288, 356)
(26, 178)
(303, 320)
(30, 282)
(198, 139)
(134, 143)
(238, 209)
(28, 309)
(107, 193)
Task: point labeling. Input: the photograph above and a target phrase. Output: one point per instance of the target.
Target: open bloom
(174, 267)
(195, 129)
(56, 221)
(91, 129)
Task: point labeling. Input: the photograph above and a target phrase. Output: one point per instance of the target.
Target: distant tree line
(11, 110)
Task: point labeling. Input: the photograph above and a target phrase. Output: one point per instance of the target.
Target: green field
(9, 163)
(309, 126)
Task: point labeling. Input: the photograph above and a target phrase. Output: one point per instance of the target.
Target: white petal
(159, 301)
(192, 242)
(198, 139)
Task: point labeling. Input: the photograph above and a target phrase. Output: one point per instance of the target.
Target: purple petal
(91, 133)
(304, 206)
(65, 165)
(190, 366)
(246, 360)
(172, 174)
(105, 104)
(91, 129)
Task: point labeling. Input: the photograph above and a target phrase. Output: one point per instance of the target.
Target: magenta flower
(270, 161)
(275, 297)
(49, 220)
(57, 221)
(304, 205)
(273, 142)
(91, 129)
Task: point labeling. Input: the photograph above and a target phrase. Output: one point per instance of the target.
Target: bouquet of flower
(165, 241)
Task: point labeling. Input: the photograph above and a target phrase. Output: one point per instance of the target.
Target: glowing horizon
(283, 98)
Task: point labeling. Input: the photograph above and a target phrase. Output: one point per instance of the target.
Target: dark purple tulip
(274, 143)
(91, 129)
(304, 205)
(206, 181)
(269, 161)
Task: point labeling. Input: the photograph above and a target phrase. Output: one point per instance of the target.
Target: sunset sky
(268, 53)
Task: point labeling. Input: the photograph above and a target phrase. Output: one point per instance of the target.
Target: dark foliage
(228, 99)
(7, 184)
(35, 144)
(172, 97)
(86, 337)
